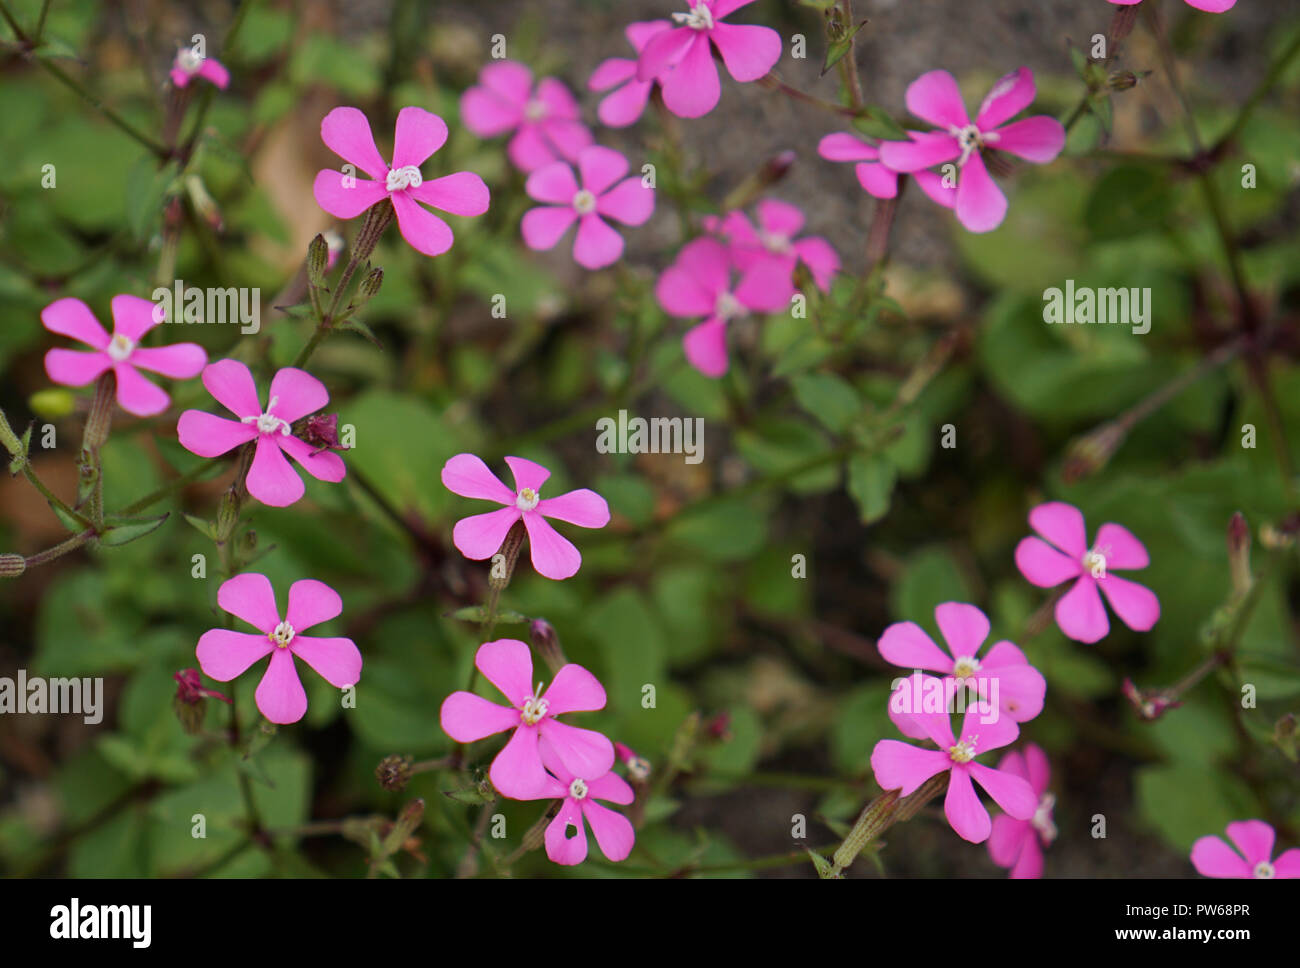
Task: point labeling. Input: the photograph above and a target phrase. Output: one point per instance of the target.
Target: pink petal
(1038, 139)
(964, 627)
(543, 227)
(346, 132)
(133, 316)
(692, 88)
(1213, 858)
(418, 135)
(708, 263)
(584, 752)
(250, 596)
(583, 507)
(280, 695)
(822, 261)
(480, 536)
(1010, 95)
(1062, 524)
(610, 72)
(662, 51)
(467, 718)
(779, 218)
(629, 202)
(215, 73)
(1254, 839)
(639, 32)
(180, 361)
(722, 8)
(346, 196)
(846, 147)
(211, 436)
(311, 602)
(600, 167)
(517, 770)
(559, 100)
(554, 183)
(1014, 763)
(421, 228)
(1212, 6)
(925, 150)
(903, 767)
(681, 294)
(574, 689)
(508, 665)
(337, 660)
(527, 473)
(231, 385)
(76, 368)
(72, 318)
(1136, 605)
(611, 787)
(963, 809)
(1007, 839)
(1038, 768)
(223, 655)
(1122, 549)
(596, 244)
(487, 114)
(908, 695)
(1010, 792)
(468, 476)
(985, 736)
(271, 479)
(529, 149)
(1287, 864)
(136, 395)
(1030, 864)
(510, 80)
(705, 346)
(1021, 687)
(568, 138)
(1043, 565)
(764, 290)
(566, 836)
(296, 394)
(325, 466)
(748, 51)
(613, 831)
(623, 106)
(935, 97)
(877, 180)
(1080, 613)
(935, 187)
(553, 555)
(981, 206)
(906, 644)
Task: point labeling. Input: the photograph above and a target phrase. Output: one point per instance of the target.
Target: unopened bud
(547, 644)
(393, 773)
(1284, 735)
(1148, 705)
(188, 701)
(638, 767)
(8, 439)
(1239, 553)
(1122, 80)
(369, 287)
(227, 514)
(1091, 453)
(11, 566)
(318, 254)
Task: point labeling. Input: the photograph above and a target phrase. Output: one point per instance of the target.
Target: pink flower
(1018, 844)
(189, 65)
(899, 766)
(294, 394)
(132, 318)
(480, 536)
(935, 97)
(595, 244)
(566, 836)
(873, 176)
(1080, 613)
(1254, 839)
(517, 772)
(699, 283)
(223, 654)
(546, 121)
(772, 248)
(1209, 6)
(419, 134)
(1019, 688)
(627, 96)
(681, 58)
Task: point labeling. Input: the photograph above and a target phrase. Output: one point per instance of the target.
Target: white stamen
(776, 242)
(964, 751)
(268, 423)
(584, 203)
(401, 178)
(1094, 562)
(971, 139)
(119, 348)
(1042, 819)
(535, 111)
(1264, 870)
(281, 635)
(188, 61)
(534, 708)
(527, 499)
(965, 667)
(578, 789)
(638, 768)
(700, 17)
(728, 306)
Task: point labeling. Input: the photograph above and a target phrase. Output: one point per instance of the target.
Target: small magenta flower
(189, 65)
(1080, 613)
(132, 318)
(517, 771)
(597, 198)
(638, 767)
(224, 655)
(935, 97)
(902, 767)
(627, 96)
(481, 536)
(1254, 840)
(1018, 844)
(1209, 6)
(566, 835)
(419, 133)
(699, 283)
(772, 248)
(546, 122)
(294, 394)
(681, 58)
(873, 176)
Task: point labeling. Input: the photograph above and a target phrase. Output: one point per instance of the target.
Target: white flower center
(964, 751)
(728, 306)
(584, 203)
(281, 635)
(776, 242)
(188, 61)
(578, 789)
(268, 423)
(1264, 870)
(119, 348)
(965, 667)
(534, 708)
(1042, 819)
(535, 110)
(334, 242)
(1094, 562)
(638, 767)
(527, 499)
(971, 139)
(700, 17)
(402, 178)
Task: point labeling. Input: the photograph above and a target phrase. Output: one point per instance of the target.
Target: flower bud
(1239, 553)
(369, 287)
(11, 566)
(547, 644)
(8, 439)
(318, 253)
(1122, 80)
(638, 767)
(188, 702)
(394, 772)
(1148, 705)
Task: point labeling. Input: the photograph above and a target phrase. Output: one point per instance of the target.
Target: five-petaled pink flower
(1018, 844)
(902, 767)
(546, 122)
(681, 58)
(1254, 839)
(189, 65)
(1020, 687)
(481, 536)
(294, 394)
(935, 97)
(627, 96)
(517, 771)
(772, 248)
(597, 198)
(699, 283)
(1209, 6)
(873, 176)
(566, 835)
(1080, 613)
(223, 654)
(132, 318)
(419, 134)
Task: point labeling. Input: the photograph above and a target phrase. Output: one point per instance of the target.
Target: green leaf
(871, 482)
(147, 188)
(829, 398)
(838, 48)
(126, 530)
(876, 122)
